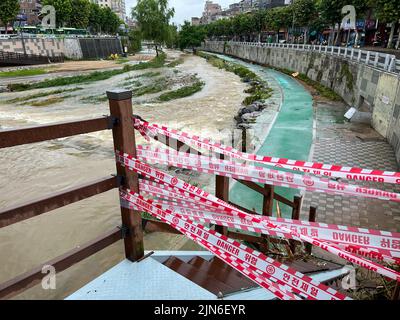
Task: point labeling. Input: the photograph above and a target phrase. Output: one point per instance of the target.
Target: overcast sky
(184, 9)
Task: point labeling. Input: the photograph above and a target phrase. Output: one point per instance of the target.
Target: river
(31, 171)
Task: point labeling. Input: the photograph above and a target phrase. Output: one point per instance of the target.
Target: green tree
(191, 36)
(331, 12)
(110, 22)
(388, 11)
(277, 18)
(153, 17)
(304, 14)
(94, 17)
(80, 14)
(8, 11)
(171, 40)
(135, 41)
(63, 10)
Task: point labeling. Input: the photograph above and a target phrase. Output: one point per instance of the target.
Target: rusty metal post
(124, 140)
(222, 192)
(295, 216)
(312, 218)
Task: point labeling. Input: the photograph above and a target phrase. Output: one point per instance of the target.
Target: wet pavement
(351, 144)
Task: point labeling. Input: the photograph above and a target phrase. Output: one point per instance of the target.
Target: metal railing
(383, 61)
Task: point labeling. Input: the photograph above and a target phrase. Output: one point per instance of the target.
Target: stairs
(221, 279)
(214, 275)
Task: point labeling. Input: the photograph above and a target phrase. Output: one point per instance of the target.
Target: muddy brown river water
(31, 171)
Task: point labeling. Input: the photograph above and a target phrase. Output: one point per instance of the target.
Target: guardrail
(383, 61)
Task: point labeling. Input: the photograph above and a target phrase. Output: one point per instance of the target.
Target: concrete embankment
(364, 87)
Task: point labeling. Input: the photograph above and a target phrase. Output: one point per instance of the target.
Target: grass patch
(94, 99)
(322, 90)
(132, 84)
(175, 63)
(47, 102)
(157, 62)
(41, 95)
(122, 61)
(23, 73)
(152, 88)
(182, 92)
(258, 90)
(149, 75)
(94, 76)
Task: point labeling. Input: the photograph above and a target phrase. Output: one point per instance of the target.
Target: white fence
(384, 61)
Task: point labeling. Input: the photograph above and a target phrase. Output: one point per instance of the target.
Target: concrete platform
(151, 280)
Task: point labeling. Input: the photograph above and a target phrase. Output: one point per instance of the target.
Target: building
(195, 21)
(29, 13)
(117, 6)
(211, 12)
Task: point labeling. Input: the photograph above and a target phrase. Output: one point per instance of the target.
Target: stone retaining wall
(359, 85)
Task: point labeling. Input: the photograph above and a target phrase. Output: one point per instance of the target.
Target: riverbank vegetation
(183, 92)
(39, 95)
(157, 62)
(23, 73)
(259, 90)
(321, 89)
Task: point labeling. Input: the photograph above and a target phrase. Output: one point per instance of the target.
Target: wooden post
(124, 140)
(295, 216)
(222, 192)
(268, 204)
(396, 292)
(268, 201)
(312, 218)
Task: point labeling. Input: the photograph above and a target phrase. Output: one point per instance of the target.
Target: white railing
(384, 61)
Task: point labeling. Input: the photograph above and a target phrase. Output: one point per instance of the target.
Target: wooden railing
(131, 229)
(120, 122)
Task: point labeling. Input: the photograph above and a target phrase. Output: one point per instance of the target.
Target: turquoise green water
(290, 136)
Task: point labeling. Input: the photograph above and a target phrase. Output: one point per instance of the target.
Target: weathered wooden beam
(56, 200)
(15, 137)
(124, 141)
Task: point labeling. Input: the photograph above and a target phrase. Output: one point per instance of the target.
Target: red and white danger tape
(373, 243)
(258, 174)
(328, 170)
(207, 215)
(201, 196)
(245, 260)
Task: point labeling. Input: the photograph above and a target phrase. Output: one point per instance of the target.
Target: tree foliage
(8, 11)
(80, 14)
(63, 11)
(153, 17)
(191, 36)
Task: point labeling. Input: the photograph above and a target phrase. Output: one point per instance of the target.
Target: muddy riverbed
(31, 171)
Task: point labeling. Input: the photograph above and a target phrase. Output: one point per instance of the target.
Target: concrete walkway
(289, 137)
(339, 142)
